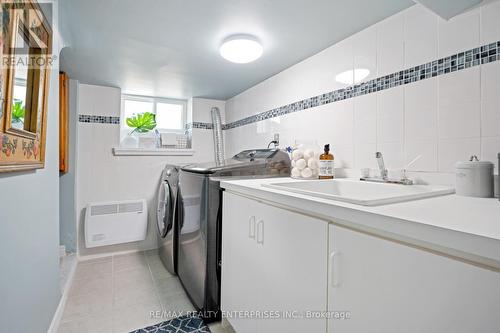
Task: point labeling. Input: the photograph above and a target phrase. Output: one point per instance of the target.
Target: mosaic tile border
(456, 62)
(199, 125)
(85, 118)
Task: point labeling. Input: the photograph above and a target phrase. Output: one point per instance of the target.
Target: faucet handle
(404, 178)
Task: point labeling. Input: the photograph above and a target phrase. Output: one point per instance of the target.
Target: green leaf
(142, 122)
(18, 112)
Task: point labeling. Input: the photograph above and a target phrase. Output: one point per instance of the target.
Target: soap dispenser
(326, 164)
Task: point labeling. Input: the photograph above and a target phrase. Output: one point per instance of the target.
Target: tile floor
(117, 294)
(66, 265)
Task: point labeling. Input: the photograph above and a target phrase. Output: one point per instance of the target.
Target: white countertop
(462, 227)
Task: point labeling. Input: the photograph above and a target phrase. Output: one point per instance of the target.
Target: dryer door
(164, 212)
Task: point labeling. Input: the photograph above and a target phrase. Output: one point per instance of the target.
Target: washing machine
(166, 217)
(199, 213)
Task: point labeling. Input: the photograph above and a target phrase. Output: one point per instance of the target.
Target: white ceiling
(449, 8)
(170, 47)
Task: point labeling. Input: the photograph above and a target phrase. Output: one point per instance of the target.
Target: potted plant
(141, 124)
(18, 113)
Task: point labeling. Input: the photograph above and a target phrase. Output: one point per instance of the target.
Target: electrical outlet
(277, 138)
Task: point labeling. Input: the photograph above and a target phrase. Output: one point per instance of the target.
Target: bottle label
(326, 168)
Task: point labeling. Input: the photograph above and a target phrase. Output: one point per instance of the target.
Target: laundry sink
(360, 192)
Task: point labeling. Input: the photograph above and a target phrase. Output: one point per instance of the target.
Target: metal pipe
(218, 138)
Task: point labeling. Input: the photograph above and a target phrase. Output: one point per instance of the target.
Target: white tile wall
(364, 155)
(340, 59)
(427, 152)
(202, 109)
(421, 119)
(365, 52)
(444, 119)
(390, 45)
(337, 60)
(105, 101)
(459, 33)
(390, 106)
(490, 99)
(490, 149)
(490, 29)
(459, 104)
(365, 119)
(453, 150)
(340, 116)
(393, 155)
(421, 36)
(421, 110)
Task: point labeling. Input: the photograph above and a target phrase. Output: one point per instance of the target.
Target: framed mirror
(26, 64)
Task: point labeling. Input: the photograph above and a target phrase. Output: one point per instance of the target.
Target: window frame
(154, 101)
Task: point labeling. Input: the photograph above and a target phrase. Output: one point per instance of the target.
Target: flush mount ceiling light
(352, 76)
(241, 49)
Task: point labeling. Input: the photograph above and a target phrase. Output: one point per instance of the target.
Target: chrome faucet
(384, 174)
(381, 165)
(157, 138)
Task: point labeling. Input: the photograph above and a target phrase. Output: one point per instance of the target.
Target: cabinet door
(292, 266)
(390, 287)
(239, 262)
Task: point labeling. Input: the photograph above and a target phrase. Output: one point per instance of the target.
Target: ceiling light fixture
(352, 76)
(241, 49)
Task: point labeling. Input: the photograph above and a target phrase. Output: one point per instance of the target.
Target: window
(170, 113)
(19, 103)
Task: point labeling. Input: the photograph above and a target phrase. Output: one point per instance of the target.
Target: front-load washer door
(164, 213)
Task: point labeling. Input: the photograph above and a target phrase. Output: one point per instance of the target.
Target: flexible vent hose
(218, 138)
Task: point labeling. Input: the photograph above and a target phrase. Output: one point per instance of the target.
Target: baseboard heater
(117, 222)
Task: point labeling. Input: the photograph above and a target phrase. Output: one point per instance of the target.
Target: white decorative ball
(301, 164)
(297, 154)
(306, 173)
(295, 172)
(308, 153)
(312, 163)
(293, 163)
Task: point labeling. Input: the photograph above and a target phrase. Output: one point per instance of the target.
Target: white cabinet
(389, 287)
(273, 265)
(276, 262)
(239, 262)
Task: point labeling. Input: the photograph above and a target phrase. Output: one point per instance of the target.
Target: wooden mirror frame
(21, 149)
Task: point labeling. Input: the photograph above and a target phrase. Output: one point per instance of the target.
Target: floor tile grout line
(151, 268)
(112, 292)
(157, 290)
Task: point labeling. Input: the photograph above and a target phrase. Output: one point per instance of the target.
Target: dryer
(166, 217)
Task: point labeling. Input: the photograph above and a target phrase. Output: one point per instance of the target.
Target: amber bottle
(326, 164)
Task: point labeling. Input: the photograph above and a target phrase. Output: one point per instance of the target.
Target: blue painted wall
(29, 235)
(67, 222)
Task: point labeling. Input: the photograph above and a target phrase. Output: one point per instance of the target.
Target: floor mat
(184, 324)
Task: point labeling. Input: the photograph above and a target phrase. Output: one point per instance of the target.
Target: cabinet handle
(335, 277)
(251, 227)
(260, 232)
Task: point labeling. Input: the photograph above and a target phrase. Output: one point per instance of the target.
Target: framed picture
(63, 122)
(26, 64)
